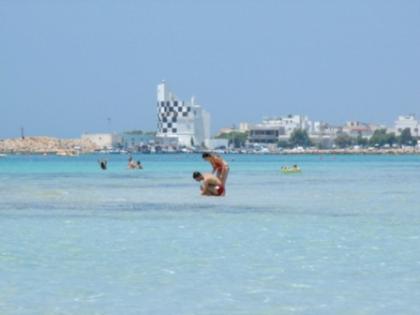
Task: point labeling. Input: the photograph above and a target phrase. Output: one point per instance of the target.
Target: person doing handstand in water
(103, 164)
(212, 185)
(220, 166)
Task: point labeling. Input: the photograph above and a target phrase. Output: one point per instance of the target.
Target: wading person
(220, 166)
(212, 185)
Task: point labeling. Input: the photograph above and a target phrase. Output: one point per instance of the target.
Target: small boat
(290, 170)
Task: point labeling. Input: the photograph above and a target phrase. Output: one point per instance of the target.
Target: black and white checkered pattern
(168, 114)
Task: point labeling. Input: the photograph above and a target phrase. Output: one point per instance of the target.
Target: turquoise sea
(342, 237)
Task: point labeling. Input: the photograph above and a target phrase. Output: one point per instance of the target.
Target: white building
(357, 128)
(103, 140)
(186, 122)
(319, 128)
(272, 129)
(407, 121)
(244, 126)
(289, 123)
(266, 134)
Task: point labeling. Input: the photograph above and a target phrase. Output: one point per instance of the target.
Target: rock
(39, 145)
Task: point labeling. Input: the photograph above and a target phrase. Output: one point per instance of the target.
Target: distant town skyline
(66, 68)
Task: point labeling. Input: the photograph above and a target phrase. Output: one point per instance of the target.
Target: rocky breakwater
(41, 145)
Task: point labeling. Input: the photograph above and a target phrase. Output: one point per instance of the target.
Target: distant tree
(361, 141)
(406, 138)
(150, 133)
(343, 140)
(140, 132)
(391, 138)
(134, 132)
(322, 145)
(235, 138)
(300, 137)
(283, 144)
(380, 137)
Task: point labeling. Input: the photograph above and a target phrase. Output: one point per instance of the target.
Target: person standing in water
(220, 166)
(212, 185)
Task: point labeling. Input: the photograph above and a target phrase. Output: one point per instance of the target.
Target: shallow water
(342, 237)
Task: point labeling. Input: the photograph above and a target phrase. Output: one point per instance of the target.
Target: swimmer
(133, 164)
(220, 166)
(290, 169)
(212, 185)
(103, 164)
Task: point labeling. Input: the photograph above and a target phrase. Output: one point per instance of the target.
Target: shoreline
(309, 152)
(75, 147)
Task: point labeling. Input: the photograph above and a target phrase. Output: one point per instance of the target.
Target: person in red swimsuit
(212, 185)
(220, 166)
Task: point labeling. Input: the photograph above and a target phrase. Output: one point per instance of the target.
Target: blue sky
(66, 66)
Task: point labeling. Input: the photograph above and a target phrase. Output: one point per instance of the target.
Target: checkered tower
(170, 111)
